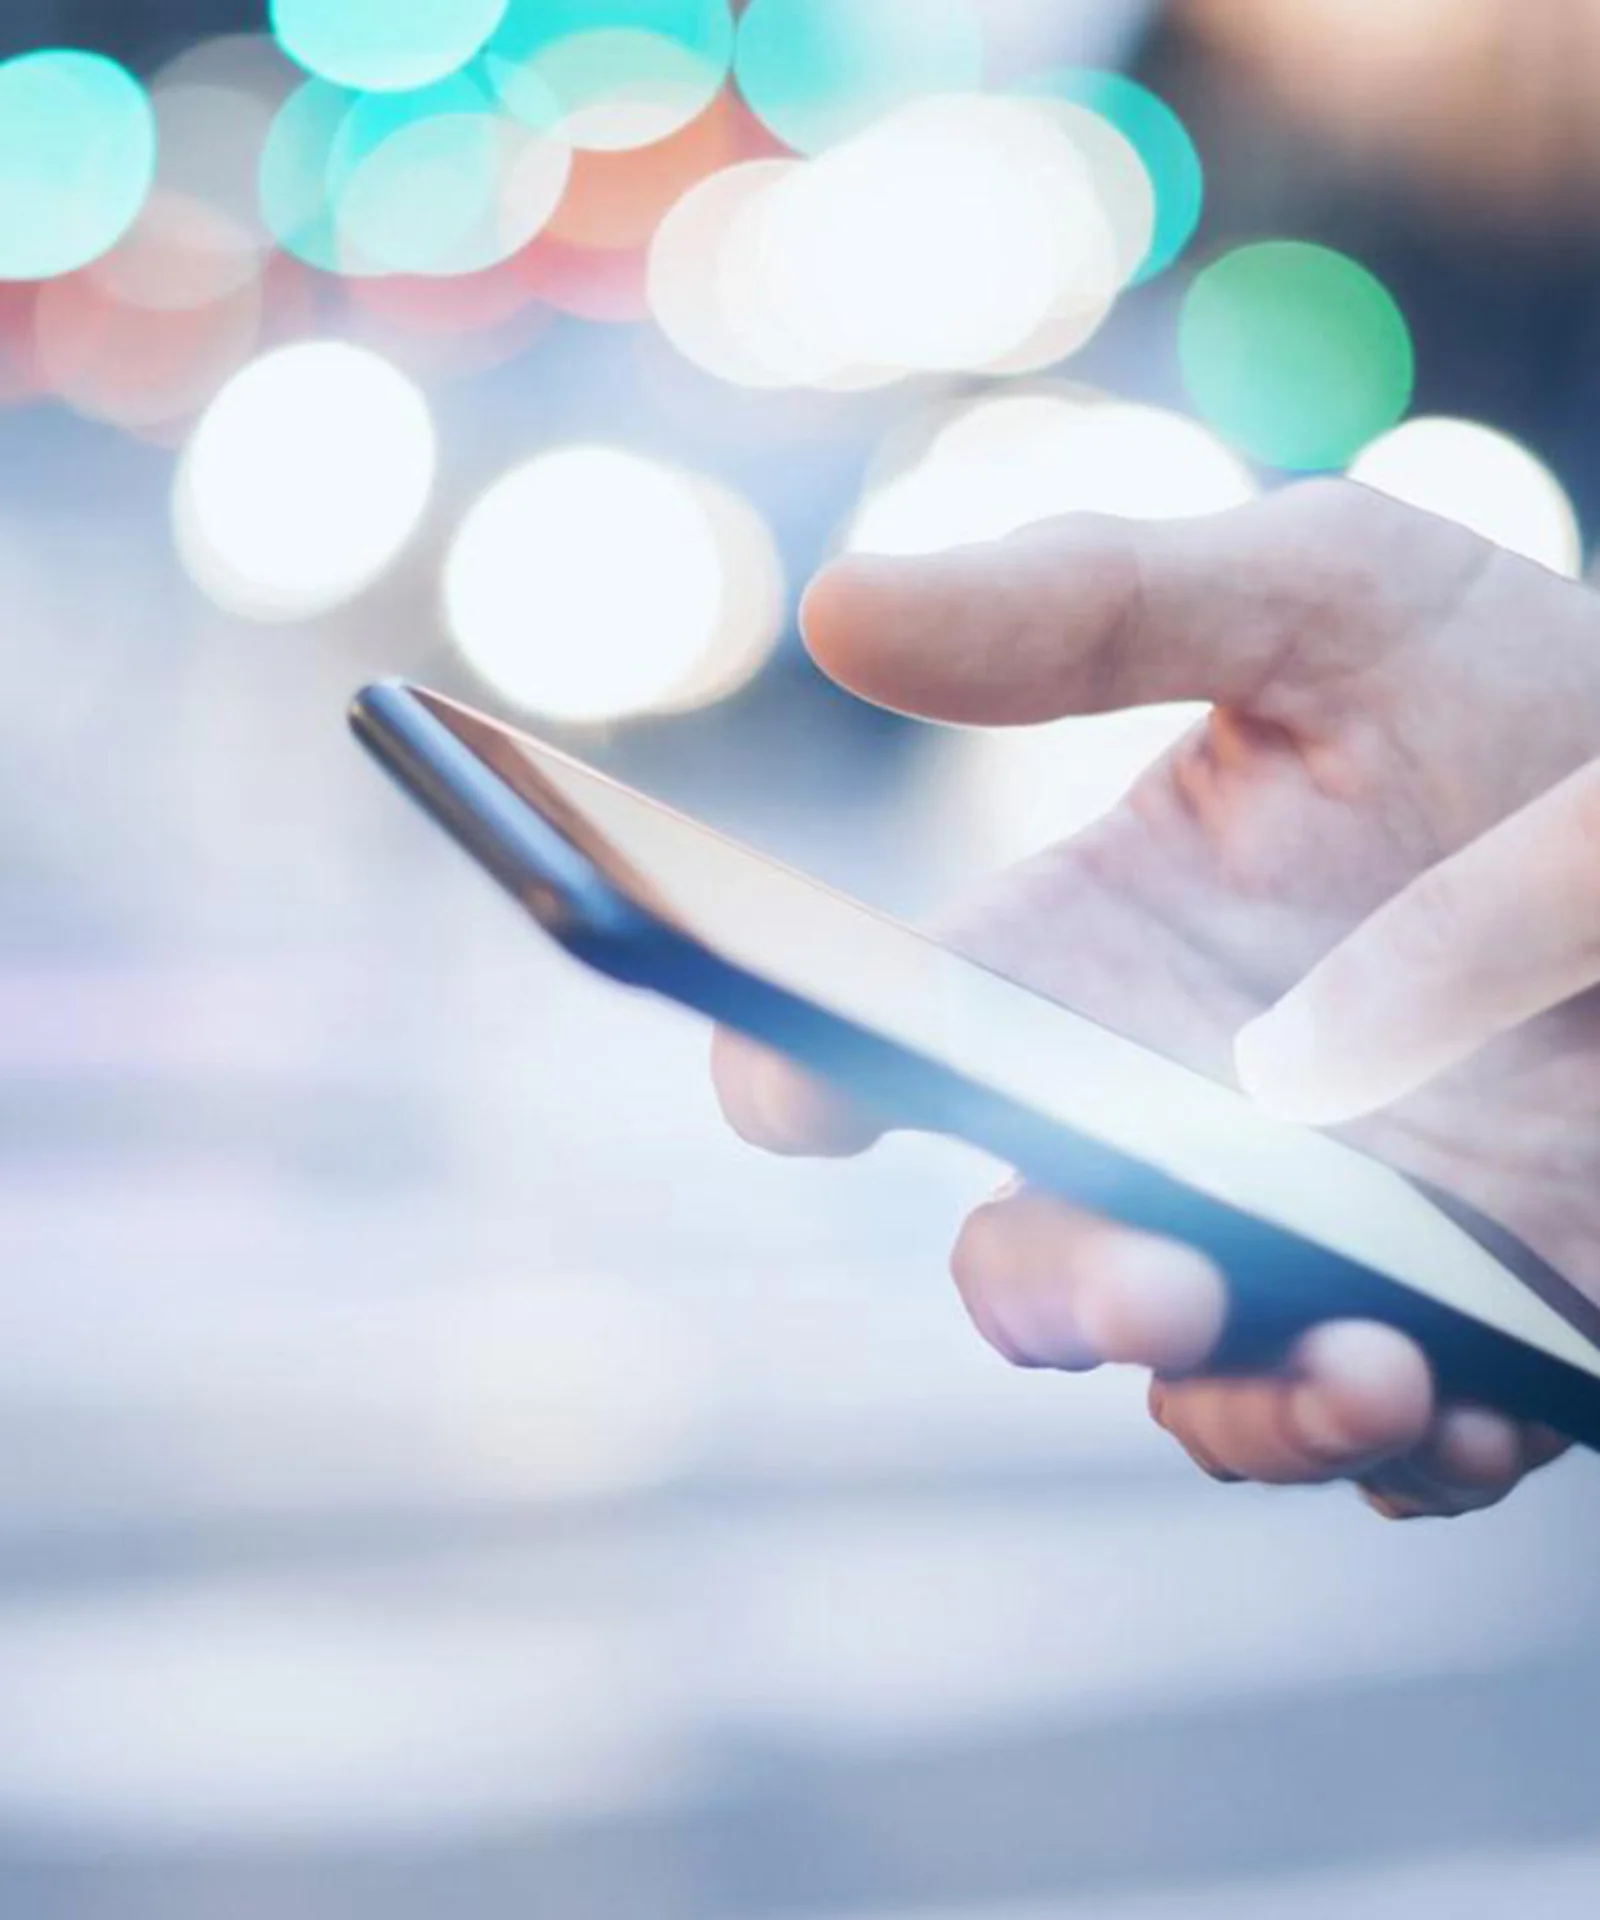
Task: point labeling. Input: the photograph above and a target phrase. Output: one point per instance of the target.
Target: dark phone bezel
(603, 913)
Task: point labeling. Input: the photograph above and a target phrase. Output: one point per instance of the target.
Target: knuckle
(1353, 547)
(1338, 534)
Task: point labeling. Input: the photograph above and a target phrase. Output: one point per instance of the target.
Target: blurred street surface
(442, 1472)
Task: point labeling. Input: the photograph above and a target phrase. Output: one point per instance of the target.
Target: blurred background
(442, 1473)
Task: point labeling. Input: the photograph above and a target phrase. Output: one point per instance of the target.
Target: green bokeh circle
(1296, 354)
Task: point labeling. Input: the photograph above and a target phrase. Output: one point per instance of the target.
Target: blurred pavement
(441, 1472)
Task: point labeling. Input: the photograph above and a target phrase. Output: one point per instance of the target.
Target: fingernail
(1280, 1063)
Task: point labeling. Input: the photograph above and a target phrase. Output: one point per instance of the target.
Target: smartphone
(1306, 1228)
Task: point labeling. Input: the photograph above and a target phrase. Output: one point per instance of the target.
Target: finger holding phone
(1412, 1302)
(1392, 802)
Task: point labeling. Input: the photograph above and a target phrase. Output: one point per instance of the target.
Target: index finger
(1258, 608)
(774, 1104)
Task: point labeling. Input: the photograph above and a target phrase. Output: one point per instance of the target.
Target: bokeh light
(214, 108)
(182, 252)
(950, 236)
(1295, 353)
(717, 289)
(618, 200)
(607, 285)
(139, 368)
(447, 327)
(1121, 181)
(1161, 141)
(991, 466)
(436, 181)
(145, 336)
(754, 601)
(1116, 236)
(19, 373)
(249, 65)
(304, 481)
(77, 158)
(296, 160)
(817, 71)
(441, 180)
(384, 44)
(1484, 479)
(591, 583)
(692, 265)
(413, 176)
(611, 74)
(761, 261)
(439, 304)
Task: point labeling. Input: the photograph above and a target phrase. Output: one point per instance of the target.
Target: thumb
(1251, 609)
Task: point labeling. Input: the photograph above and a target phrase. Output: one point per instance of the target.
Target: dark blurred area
(441, 1471)
(136, 31)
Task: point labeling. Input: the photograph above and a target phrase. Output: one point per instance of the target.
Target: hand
(1387, 688)
(1486, 941)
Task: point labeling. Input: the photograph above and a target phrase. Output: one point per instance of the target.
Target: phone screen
(885, 977)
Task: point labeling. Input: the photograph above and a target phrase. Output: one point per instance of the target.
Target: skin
(1433, 977)
(1387, 689)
